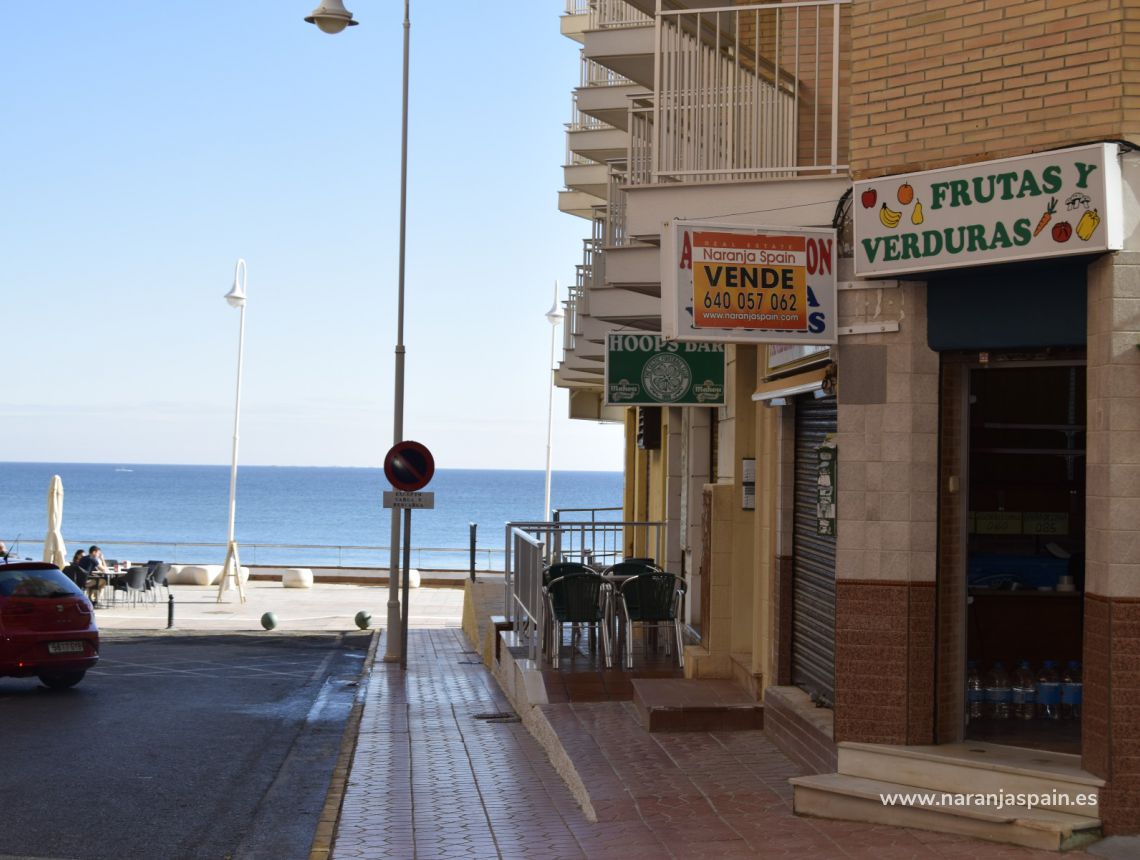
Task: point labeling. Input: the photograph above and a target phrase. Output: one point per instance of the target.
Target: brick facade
(937, 83)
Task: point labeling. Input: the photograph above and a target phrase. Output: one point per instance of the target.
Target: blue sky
(149, 145)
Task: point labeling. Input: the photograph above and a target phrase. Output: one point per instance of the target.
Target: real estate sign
(1052, 204)
(737, 284)
(647, 370)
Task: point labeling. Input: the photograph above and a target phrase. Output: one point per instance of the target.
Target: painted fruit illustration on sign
(916, 216)
(889, 217)
(1088, 224)
(1062, 230)
(905, 193)
(869, 198)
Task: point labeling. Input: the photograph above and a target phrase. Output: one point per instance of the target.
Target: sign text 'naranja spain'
(736, 284)
(1051, 204)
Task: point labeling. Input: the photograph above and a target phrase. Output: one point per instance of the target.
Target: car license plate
(65, 647)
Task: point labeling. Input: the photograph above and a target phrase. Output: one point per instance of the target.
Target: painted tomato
(1062, 230)
(869, 198)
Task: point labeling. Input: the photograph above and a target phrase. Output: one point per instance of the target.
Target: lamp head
(331, 16)
(236, 295)
(554, 315)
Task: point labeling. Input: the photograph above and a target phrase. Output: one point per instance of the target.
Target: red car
(47, 625)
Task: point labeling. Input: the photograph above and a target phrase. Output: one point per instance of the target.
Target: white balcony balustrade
(750, 92)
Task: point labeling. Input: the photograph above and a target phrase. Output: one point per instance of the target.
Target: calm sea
(319, 512)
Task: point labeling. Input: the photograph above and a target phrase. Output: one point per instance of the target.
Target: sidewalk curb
(330, 813)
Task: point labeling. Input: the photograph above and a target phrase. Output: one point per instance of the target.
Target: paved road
(186, 746)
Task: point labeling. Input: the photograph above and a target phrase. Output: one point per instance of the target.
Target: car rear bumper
(28, 654)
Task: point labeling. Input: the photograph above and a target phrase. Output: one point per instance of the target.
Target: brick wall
(936, 83)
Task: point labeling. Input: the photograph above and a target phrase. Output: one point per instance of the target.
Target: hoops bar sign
(748, 284)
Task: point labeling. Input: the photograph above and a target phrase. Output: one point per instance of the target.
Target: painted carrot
(1047, 216)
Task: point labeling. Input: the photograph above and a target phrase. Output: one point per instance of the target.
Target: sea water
(320, 515)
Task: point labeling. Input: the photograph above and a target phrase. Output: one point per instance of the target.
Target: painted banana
(889, 217)
(916, 216)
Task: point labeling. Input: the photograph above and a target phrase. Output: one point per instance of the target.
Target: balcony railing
(570, 329)
(605, 14)
(615, 233)
(583, 121)
(594, 74)
(749, 91)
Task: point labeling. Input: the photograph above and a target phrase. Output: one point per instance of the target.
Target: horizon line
(125, 463)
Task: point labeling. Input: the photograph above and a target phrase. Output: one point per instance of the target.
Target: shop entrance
(1025, 440)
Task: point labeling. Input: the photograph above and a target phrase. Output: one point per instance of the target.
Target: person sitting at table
(75, 571)
(96, 572)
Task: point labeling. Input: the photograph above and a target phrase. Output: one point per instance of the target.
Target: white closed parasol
(54, 550)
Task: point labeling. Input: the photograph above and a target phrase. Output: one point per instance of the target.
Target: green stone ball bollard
(363, 619)
(268, 620)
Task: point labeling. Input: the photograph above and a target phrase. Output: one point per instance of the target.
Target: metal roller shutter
(813, 564)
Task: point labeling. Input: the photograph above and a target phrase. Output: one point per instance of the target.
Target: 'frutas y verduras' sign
(1047, 205)
(647, 370)
(742, 284)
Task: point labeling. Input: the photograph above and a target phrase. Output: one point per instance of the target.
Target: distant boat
(124, 470)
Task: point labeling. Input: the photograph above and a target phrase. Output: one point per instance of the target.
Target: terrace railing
(280, 554)
(531, 546)
(749, 91)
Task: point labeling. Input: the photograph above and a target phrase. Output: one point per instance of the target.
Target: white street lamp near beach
(232, 567)
(332, 17)
(554, 317)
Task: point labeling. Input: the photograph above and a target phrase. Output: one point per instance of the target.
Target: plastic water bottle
(1072, 691)
(975, 692)
(1048, 692)
(1024, 692)
(998, 692)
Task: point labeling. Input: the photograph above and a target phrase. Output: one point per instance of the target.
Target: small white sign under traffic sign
(402, 499)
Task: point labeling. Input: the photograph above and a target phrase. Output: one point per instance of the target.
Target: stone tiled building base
(884, 661)
(1111, 712)
(801, 731)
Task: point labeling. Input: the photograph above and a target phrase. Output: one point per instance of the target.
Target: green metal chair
(652, 600)
(578, 599)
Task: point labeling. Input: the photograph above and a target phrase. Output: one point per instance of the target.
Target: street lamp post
(553, 316)
(332, 17)
(232, 566)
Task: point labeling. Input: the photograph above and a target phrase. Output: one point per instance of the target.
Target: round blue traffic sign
(409, 466)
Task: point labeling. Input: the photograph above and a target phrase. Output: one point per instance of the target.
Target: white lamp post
(553, 316)
(332, 17)
(232, 567)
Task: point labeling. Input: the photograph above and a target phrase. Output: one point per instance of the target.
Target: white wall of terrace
(807, 201)
(634, 267)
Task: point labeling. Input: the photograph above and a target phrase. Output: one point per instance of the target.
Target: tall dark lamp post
(332, 17)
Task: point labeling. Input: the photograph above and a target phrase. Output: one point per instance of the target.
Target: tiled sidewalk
(431, 782)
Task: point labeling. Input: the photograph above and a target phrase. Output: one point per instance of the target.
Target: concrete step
(858, 799)
(695, 705)
(978, 768)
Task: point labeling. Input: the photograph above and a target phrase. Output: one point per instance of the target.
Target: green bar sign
(647, 370)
